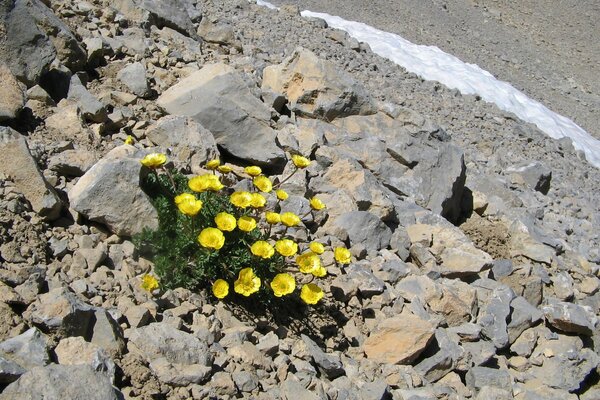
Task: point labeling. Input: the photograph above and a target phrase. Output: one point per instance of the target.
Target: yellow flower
(283, 284)
(129, 140)
(316, 204)
(241, 199)
(225, 169)
(205, 182)
(188, 204)
(247, 282)
(154, 160)
(211, 238)
(308, 262)
(213, 164)
(272, 217)
(263, 183)
(317, 248)
(342, 255)
(320, 272)
(281, 194)
(220, 289)
(258, 200)
(286, 247)
(253, 170)
(246, 223)
(149, 283)
(311, 293)
(262, 249)
(300, 162)
(225, 221)
(290, 219)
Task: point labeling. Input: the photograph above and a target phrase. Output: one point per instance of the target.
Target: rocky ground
(547, 50)
(476, 254)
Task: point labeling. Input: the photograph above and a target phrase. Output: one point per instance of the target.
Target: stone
(61, 311)
(133, 76)
(479, 377)
(245, 381)
(525, 343)
(218, 98)
(72, 162)
(214, 31)
(27, 350)
(344, 287)
(110, 193)
(91, 108)
(67, 122)
(569, 317)
(316, 88)
(398, 340)
(329, 364)
(76, 351)
(158, 13)
(362, 228)
(268, 344)
(10, 371)
(523, 316)
(376, 390)
(493, 316)
(293, 390)
(62, 382)
(12, 97)
(535, 175)
(106, 333)
(192, 144)
(26, 175)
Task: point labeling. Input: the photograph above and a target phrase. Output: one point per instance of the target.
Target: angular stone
(216, 32)
(329, 364)
(494, 314)
(60, 310)
(398, 340)
(76, 351)
(479, 377)
(362, 228)
(10, 371)
(245, 381)
(146, 13)
(192, 144)
(72, 162)
(12, 98)
(523, 315)
(219, 98)
(110, 193)
(316, 88)
(91, 108)
(106, 333)
(28, 350)
(24, 172)
(536, 175)
(133, 76)
(569, 317)
(62, 382)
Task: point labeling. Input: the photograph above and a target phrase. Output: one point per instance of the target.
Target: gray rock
(368, 284)
(569, 317)
(536, 175)
(60, 311)
(390, 271)
(344, 287)
(523, 316)
(524, 344)
(268, 344)
(478, 377)
(10, 371)
(55, 382)
(192, 143)
(12, 98)
(110, 193)
(24, 172)
(216, 32)
(28, 350)
(76, 351)
(363, 228)
(329, 364)
(72, 162)
(133, 76)
(245, 381)
(293, 390)
(218, 98)
(376, 390)
(147, 13)
(325, 92)
(494, 314)
(106, 333)
(91, 108)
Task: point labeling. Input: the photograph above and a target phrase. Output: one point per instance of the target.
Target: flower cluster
(211, 235)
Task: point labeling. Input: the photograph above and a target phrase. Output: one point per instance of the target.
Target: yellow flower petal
(129, 140)
(253, 170)
(211, 238)
(342, 255)
(247, 282)
(188, 204)
(311, 293)
(220, 289)
(149, 283)
(283, 284)
(317, 248)
(272, 217)
(290, 219)
(300, 162)
(213, 164)
(263, 183)
(225, 169)
(308, 262)
(246, 223)
(241, 199)
(154, 160)
(281, 194)
(262, 249)
(225, 221)
(316, 204)
(205, 182)
(258, 200)
(286, 247)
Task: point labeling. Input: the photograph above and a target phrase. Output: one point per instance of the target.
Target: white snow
(431, 63)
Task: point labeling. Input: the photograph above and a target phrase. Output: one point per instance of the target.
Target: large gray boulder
(219, 98)
(316, 88)
(56, 382)
(24, 172)
(362, 228)
(91, 108)
(110, 193)
(159, 13)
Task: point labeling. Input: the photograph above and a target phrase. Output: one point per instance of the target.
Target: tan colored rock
(12, 98)
(24, 172)
(399, 340)
(316, 88)
(68, 121)
(75, 351)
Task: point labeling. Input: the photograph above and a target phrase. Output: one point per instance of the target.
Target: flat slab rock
(399, 340)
